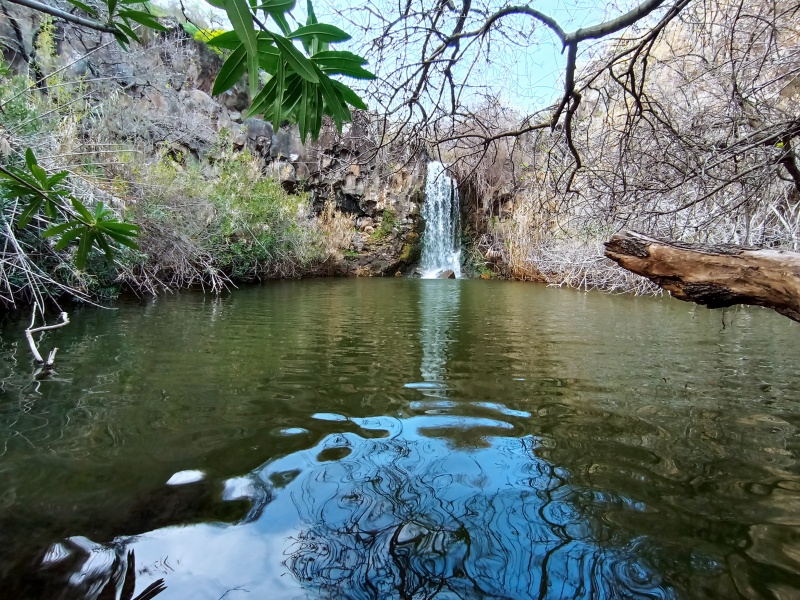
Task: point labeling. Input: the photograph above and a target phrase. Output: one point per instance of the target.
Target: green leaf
(50, 209)
(299, 63)
(302, 111)
(128, 32)
(57, 178)
(277, 6)
(112, 6)
(101, 241)
(316, 123)
(280, 88)
(56, 229)
(70, 235)
(321, 31)
(30, 210)
(242, 20)
(312, 18)
(122, 39)
(268, 60)
(334, 102)
(121, 239)
(349, 95)
(39, 173)
(266, 95)
(334, 62)
(228, 40)
(231, 71)
(276, 9)
(87, 240)
(30, 158)
(84, 7)
(120, 227)
(144, 18)
(82, 211)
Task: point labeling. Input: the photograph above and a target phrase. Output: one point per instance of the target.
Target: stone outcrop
(162, 103)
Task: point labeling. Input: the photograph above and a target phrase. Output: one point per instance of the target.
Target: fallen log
(714, 276)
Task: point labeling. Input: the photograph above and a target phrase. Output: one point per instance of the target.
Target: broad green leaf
(291, 96)
(340, 56)
(122, 39)
(84, 7)
(299, 63)
(39, 173)
(276, 9)
(349, 95)
(129, 32)
(231, 71)
(242, 20)
(342, 63)
(217, 3)
(82, 210)
(312, 18)
(70, 235)
(30, 158)
(50, 209)
(120, 227)
(280, 88)
(60, 228)
(283, 24)
(321, 31)
(302, 111)
(264, 97)
(144, 18)
(228, 40)
(112, 6)
(333, 100)
(29, 211)
(121, 239)
(268, 56)
(277, 6)
(101, 241)
(57, 178)
(316, 123)
(84, 246)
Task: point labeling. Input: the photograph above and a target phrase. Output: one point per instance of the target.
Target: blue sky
(527, 79)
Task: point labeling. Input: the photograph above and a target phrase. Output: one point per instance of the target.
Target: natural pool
(403, 439)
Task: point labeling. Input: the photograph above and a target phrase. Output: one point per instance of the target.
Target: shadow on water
(469, 447)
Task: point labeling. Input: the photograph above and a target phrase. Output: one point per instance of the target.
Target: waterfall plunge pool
(403, 439)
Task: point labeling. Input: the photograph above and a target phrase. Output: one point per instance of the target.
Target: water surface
(403, 439)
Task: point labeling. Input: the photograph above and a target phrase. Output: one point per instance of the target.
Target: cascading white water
(441, 240)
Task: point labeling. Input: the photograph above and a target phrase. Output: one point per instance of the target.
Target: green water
(403, 439)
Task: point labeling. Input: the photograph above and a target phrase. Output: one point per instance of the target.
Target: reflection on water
(405, 515)
(403, 439)
(439, 313)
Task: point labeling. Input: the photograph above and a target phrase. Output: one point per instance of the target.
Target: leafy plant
(45, 197)
(300, 85)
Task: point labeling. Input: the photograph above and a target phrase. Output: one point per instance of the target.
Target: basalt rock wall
(156, 98)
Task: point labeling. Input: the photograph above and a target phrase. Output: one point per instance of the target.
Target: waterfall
(441, 240)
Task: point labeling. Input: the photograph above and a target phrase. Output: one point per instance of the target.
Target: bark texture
(714, 276)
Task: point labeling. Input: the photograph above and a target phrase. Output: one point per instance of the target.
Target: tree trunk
(714, 276)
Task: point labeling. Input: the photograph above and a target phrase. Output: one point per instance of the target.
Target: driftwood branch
(31, 330)
(714, 276)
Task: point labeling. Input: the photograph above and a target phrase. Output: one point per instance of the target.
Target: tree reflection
(403, 518)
